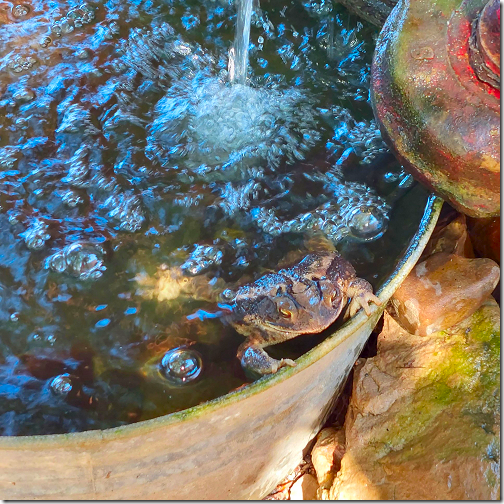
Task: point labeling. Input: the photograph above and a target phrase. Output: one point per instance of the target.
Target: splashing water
(207, 126)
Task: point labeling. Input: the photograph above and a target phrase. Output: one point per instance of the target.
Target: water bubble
(34, 337)
(126, 208)
(57, 262)
(71, 199)
(45, 42)
(114, 28)
(20, 10)
(13, 219)
(202, 258)
(20, 63)
(24, 95)
(363, 137)
(36, 235)
(367, 223)
(83, 54)
(406, 181)
(81, 260)
(56, 29)
(181, 365)
(14, 317)
(61, 384)
(51, 339)
(75, 119)
(390, 177)
(67, 26)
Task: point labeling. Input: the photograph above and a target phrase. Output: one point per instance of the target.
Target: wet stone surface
(124, 151)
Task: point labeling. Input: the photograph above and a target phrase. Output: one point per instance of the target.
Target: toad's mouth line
(285, 330)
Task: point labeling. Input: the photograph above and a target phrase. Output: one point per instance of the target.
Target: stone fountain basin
(238, 446)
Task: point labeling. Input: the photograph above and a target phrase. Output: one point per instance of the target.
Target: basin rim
(385, 292)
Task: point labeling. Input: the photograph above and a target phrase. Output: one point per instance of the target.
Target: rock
(442, 291)
(327, 453)
(452, 238)
(424, 417)
(485, 235)
(304, 488)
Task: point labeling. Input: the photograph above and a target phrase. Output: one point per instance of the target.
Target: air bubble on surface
(36, 235)
(180, 366)
(8, 158)
(364, 137)
(62, 384)
(80, 260)
(126, 209)
(45, 41)
(78, 168)
(237, 197)
(20, 10)
(75, 18)
(19, 63)
(71, 199)
(202, 258)
(75, 119)
(23, 95)
(367, 223)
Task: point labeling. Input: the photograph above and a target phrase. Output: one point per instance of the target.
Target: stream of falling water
(238, 55)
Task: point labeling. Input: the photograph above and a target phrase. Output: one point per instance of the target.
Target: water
(137, 184)
(238, 56)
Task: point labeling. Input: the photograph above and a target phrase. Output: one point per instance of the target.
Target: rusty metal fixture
(436, 95)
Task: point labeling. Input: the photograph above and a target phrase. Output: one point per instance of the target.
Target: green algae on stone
(442, 419)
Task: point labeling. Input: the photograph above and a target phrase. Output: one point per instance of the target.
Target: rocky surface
(304, 488)
(485, 234)
(326, 457)
(423, 421)
(442, 291)
(423, 418)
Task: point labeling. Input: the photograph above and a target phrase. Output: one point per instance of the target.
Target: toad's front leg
(255, 360)
(361, 293)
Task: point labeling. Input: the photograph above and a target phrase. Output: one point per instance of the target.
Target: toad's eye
(285, 313)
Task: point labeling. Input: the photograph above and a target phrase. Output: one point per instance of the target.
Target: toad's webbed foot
(255, 360)
(361, 293)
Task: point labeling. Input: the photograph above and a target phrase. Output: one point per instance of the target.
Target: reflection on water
(125, 153)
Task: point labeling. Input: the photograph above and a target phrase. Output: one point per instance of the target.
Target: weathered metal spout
(485, 44)
(435, 87)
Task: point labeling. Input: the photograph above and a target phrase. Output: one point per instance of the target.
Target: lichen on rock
(423, 421)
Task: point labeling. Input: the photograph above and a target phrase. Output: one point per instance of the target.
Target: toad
(305, 298)
(302, 299)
